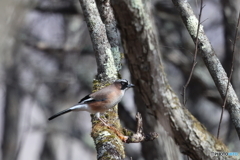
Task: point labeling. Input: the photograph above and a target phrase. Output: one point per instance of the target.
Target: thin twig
(212, 63)
(195, 56)
(137, 137)
(230, 76)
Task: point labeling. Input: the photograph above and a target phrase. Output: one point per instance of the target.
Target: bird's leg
(115, 130)
(104, 122)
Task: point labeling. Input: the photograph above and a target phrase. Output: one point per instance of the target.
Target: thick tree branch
(108, 145)
(101, 46)
(108, 19)
(141, 48)
(211, 61)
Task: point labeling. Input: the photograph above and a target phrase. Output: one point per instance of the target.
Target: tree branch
(108, 145)
(113, 36)
(141, 49)
(139, 136)
(105, 61)
(231, 72)
(211, 61)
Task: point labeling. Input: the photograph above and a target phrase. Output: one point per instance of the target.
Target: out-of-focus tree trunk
(11, 116)
(230, 11)
(11, 14)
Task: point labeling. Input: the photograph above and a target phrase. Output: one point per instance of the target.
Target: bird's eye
(123, 83)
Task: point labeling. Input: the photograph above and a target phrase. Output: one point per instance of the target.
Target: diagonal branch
(230, 76)
(144, 60)
(211, 61)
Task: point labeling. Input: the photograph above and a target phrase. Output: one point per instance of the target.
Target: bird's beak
(130, 85)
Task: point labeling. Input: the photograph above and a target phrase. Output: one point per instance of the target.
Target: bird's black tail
(60, 113)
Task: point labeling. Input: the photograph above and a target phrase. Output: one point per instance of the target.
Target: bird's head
(123, 84)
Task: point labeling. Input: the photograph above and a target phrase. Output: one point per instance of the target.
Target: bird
(101, 100)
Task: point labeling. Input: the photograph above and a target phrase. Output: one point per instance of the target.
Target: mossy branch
(108, 145)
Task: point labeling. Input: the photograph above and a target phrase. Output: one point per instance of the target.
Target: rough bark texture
(163, 148)
(211, 61)
(141, 48)
(102, 48)
(109, 20)
(108, 145)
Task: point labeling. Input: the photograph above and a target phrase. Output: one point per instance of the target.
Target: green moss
(102, 135)
(127, 132)
(97, 85)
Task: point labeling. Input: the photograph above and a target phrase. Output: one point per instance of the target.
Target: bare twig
(195, 56)
(211, 61)
(137, 137)
(230, 76)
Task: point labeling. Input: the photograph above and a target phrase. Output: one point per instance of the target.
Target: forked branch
(139, 136)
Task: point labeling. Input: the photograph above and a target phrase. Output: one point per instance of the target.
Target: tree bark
(113, 36)
(210, 59)
(144, 60)
(108, 145)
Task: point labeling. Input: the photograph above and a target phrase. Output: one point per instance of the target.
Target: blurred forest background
(47, 64)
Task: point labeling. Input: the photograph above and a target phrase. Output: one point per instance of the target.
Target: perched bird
(100, 101)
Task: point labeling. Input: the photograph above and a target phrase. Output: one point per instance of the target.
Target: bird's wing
(89, 99)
